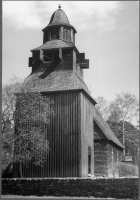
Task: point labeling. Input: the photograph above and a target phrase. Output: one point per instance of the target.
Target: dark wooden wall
(114, 157)
(100, 158)
(71, 132)
(105, 158)
(63, 134)
(106, 155)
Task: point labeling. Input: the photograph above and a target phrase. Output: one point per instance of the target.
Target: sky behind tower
(108, 33)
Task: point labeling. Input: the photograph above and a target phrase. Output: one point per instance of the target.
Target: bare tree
(103, 107)
(25, 115)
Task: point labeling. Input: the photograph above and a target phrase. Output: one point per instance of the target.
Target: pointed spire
(59, 6)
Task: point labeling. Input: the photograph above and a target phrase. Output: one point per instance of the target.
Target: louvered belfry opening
(57, 72)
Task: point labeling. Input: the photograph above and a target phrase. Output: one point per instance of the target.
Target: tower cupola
(59, 46)
(59, 28)
(59, 17)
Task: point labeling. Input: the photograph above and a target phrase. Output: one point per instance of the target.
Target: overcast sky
(108, 33)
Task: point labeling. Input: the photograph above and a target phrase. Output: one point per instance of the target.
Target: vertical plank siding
(63, 134)
(87, 135)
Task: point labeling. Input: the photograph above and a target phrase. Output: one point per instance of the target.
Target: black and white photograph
(70, 100)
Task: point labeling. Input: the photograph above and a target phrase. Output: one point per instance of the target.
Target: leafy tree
(8, 109)
(121, 111)
(131, 145)
(25, 115)
(125, 109)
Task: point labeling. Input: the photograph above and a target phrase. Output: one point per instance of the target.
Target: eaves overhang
(57, 25)
(73, 90)
(63, 44)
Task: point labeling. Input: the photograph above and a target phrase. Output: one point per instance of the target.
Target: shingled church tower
(57, 64)
(77, 127)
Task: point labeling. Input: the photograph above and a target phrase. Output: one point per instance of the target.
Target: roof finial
(59, 6)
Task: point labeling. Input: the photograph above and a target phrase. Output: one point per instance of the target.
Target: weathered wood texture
(98, 134)
(70, 133)
(54, 44)
(55, 76)
(114, 157)
(87, 135)
(92, 134)
(63, 134)
(105, 158)
(101, 158)
(106, 129)
(59, 17)
(71, 130)
(105, 154)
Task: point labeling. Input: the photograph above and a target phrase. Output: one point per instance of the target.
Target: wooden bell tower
(57, 72)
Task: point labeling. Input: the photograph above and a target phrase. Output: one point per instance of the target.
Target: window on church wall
(89, 160)
(66, 34)
(54, 34)
(48, 36)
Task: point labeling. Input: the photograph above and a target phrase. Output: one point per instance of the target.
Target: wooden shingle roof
(55, 44)
(47, 78)
(106, 129)
(59, 16)
(41, 81)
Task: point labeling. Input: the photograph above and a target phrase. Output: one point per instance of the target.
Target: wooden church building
(80, 141)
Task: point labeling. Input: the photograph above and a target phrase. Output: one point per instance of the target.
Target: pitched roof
(45, 78)
(48, 79)
(53, 44)
(106, 129)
